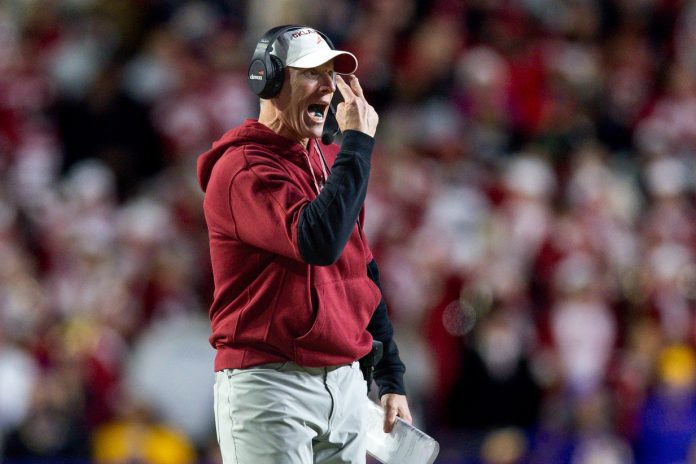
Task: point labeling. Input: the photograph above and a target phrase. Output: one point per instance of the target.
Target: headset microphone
(328, 134)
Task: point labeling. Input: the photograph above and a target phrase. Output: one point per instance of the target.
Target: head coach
(297, 315)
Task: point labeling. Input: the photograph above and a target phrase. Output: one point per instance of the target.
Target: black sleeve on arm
(389, 372)
(326, 222)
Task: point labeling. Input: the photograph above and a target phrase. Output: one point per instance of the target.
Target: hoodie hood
(251, 132)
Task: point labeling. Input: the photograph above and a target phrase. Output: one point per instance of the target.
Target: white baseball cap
(306, 48)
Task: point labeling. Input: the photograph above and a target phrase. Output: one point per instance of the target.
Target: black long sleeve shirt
(324, 228)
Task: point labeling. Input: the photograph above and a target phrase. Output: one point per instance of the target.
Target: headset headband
(265, 76)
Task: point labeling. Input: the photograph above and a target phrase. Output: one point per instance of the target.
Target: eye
(313, 73)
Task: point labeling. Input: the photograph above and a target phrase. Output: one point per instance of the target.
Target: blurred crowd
(531, 208)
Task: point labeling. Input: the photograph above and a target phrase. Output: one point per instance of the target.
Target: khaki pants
(283, 413)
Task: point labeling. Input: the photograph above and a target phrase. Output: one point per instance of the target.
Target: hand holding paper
(405, 444)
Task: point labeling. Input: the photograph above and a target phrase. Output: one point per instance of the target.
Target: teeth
(316, 111)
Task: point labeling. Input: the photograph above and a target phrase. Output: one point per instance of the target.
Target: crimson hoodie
(274, 300)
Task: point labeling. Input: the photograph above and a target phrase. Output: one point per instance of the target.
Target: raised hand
(354, 113)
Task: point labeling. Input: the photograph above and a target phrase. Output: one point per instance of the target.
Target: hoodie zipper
(317, 184)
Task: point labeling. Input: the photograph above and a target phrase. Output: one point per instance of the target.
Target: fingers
(351, 88)
(389, 418)
(355, 85)
(406, 415)
(347, 93)
(395, 405)
(356, 114)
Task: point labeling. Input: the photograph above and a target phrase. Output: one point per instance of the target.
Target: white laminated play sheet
(404, 445)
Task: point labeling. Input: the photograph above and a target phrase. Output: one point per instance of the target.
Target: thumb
(389, 418)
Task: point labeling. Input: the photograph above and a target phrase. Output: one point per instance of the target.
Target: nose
(328, 82)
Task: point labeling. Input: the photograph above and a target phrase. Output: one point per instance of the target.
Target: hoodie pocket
(339, 331)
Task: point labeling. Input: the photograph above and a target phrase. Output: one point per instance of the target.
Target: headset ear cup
(266, 71)
(276, 76)
(257, 77)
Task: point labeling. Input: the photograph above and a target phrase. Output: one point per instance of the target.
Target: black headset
(266, 74)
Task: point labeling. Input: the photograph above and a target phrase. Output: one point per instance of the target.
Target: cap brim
(344, 62)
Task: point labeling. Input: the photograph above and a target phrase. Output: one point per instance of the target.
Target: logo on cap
(301, 33)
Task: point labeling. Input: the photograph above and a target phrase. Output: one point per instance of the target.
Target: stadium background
(531, 207)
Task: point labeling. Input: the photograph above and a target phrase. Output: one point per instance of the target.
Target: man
(297, 301)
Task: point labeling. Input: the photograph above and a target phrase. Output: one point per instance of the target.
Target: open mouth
(316, 111)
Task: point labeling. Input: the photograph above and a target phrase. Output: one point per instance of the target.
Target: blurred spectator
(108, 125)
(54, 426)
(18, 377)
(495, 387)
(167, 372)
(504, 446)
(669, 412)
(584, 330)
(136, 437)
